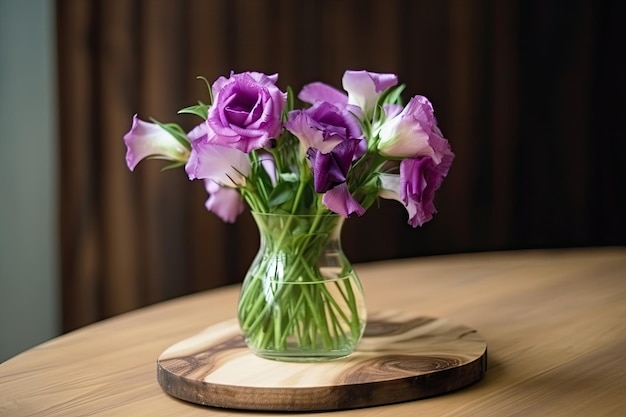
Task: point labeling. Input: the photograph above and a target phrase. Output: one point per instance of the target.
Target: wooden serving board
(402, 357)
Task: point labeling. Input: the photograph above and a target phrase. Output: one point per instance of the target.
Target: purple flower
(416, 185)
(147, 139)
(224, 202)
(330, 169)
(247, 110)
(323, 126)
(209, 160)
(333, 139)
(364, 88)
(413, 132)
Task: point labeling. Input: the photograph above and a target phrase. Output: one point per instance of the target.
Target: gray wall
(29, 281)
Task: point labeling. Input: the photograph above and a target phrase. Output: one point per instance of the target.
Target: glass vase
(301, 300)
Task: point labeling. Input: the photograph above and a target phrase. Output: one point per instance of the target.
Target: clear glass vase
(301, 300)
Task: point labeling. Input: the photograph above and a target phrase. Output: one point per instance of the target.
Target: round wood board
(402, 357)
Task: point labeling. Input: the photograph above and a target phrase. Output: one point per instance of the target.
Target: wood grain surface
(403, 356)
(555, 322)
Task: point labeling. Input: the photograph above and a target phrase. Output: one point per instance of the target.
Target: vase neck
(304, 231)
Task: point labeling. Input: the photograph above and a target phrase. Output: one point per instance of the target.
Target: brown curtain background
(530, 94)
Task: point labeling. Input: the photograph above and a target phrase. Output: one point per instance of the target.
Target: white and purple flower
(364, 88)
(413, 132)
(416, 185)
(147, 139)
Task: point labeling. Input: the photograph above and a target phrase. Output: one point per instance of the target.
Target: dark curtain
(530, 94)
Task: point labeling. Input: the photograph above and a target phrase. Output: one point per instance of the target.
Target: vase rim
(329, 214)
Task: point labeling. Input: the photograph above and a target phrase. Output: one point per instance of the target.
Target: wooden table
(554, 320)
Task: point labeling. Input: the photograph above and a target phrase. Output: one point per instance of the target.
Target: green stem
(295, 305)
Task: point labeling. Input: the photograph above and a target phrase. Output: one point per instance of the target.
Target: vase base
(402, 357)
(302, 357)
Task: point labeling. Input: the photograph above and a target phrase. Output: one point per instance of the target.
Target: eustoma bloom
(339, 153)
(147, 139)
(413, 132)
(247, 110)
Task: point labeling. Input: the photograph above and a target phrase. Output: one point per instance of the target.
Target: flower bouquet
(302, 170)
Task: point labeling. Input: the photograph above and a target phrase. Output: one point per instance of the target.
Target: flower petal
(149, 139)
(226, 203)
(317, 91)
(332, 168)
(200, 132)
(340, 201)
(419, 179)
(308, 133)
(365, 87)
(269, 165)
(390, 187)
(226, 166)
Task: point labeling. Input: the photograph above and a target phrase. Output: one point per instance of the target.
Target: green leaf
(208, 86)
(392, 95)
(389, 96)
(283, 192)
(290, 177)
(308, 195)
(379, 114)
(173, 165)
(289, 105)
(200, 110)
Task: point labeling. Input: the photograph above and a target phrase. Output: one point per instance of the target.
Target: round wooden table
(554, 320)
